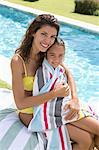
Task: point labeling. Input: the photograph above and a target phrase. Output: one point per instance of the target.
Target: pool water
(82, 49)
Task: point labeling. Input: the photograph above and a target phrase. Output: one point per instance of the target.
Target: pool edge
(80, 24)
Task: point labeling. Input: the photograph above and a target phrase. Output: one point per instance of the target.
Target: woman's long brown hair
(38, 22)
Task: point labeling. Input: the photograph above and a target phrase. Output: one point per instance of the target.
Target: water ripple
(82, 50)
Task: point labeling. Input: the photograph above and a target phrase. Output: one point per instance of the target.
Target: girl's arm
(22, 101)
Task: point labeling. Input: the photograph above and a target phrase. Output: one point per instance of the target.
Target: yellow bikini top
(28, 86)
(27, 80)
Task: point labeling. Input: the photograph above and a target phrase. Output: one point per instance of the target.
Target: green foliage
(3, 84)
(88, 7)
(60, 7)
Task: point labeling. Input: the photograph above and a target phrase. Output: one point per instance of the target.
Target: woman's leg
(97, 142)
(78, 135)
(91, 125)
(92, 146)
(88, 124)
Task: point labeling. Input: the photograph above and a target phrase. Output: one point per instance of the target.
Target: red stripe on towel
(45, 116)
(52, 87)
(61, 137)
(61, 70)
(45, 108)
(50, 75)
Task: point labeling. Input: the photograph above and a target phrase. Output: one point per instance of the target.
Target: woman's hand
(74, 107)
(61, 90)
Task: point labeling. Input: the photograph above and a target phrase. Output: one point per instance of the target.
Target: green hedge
(88, 7)
(4, 84)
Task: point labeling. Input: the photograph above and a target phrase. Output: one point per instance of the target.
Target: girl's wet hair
(38, 22)
(60, 41)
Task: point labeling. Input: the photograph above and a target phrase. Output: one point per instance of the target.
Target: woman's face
(44, 38)
(55, 55)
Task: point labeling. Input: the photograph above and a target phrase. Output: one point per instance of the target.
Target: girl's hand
(74, 107)
(61, 90)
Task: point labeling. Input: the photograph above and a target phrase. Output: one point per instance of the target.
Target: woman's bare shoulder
(15, 59)
(16, 63)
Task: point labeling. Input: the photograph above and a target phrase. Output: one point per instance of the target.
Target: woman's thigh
(78, 135)
(88, 124)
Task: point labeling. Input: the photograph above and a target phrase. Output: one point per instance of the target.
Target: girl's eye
(51, 55)
(61, 56)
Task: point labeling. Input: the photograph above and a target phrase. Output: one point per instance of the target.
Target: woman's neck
(34, 55)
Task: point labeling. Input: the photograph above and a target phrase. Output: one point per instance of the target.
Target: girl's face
(55, 55)
(44, 38)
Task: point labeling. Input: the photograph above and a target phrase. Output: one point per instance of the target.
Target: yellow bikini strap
(25, 70)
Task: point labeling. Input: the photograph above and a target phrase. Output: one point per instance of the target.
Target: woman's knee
(86, 142)
(79, 136)
(96, 140)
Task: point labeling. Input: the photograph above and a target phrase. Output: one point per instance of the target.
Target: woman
(40, 35)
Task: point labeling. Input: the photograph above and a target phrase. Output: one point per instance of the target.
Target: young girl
(54, 57)
(88, 122)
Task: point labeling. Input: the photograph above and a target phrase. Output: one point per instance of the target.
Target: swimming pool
(81, 56)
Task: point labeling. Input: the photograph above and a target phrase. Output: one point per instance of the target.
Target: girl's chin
(54, 67)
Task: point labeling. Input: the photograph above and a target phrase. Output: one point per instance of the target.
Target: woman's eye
(53, 37)
(43, 34)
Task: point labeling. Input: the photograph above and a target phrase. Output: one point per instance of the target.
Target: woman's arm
(73, 104)
(22, 101)
(71, 82)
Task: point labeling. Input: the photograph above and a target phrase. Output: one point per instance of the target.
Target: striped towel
(15, 136)
(51, 114)
(49, 118)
